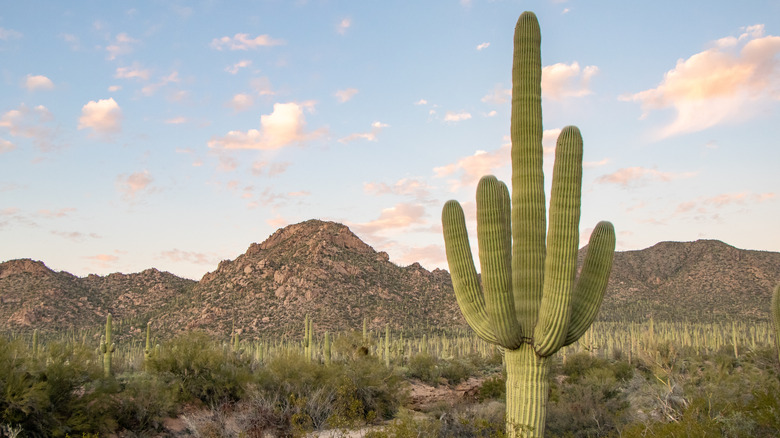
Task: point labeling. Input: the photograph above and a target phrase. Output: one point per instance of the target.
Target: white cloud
(483, 46)
(345, 95)
(9, 34)
(376, 127)
(38, 82)
(114, 88)
(241, 102)
(344, 24)
(451, 116)
(283, 127)
(499, 96)
(233, 69)
(30, 123)
(103, 116)
(262, 86)
(133, 72)
(122, 45)
(421, 102)
(561, 80)
(730, 82)
(150, 89)
(242, 41)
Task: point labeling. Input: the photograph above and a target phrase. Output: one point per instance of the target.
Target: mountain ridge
(323, 269)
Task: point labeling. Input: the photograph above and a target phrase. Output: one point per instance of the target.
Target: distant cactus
(107, 347)
(528, 301)
(775, 309)
(148, 347)
(327, 348)
(35, 344)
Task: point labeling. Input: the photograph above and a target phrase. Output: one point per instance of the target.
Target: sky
(173, 134)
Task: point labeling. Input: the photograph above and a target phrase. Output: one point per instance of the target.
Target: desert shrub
(61, 392)
(196, 368)
(591, 401)
(456, 370)
(424, 367)
(492, 388)
(144, 403)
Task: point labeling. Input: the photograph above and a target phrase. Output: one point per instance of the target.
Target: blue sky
(170, 134)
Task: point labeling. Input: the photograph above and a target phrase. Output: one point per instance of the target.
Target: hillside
(323, 269)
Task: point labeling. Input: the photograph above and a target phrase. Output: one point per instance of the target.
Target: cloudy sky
(169, 134)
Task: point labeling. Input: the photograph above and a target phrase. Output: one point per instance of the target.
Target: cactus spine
(530, 303)
(775, 310)
(107, 347)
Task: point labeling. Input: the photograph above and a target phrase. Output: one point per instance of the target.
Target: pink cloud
(103, 116)
(38, 82)
(242, 41)
(133, 184)
(400, 216)
(28, 123)
(345, 95)
(376, 127)
(732, 81)
(634, 176)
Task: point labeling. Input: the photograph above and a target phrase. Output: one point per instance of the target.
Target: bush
(198, 369)
(424, 367)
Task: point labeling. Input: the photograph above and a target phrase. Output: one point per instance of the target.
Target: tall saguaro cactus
(530, 301)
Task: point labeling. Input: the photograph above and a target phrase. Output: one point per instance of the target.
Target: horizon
(141, 135)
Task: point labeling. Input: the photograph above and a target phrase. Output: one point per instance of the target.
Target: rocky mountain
(324, 270)
(704, 280)
(34, 296)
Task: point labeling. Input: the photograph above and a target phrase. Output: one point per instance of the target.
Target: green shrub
(196, 368)
(424, 367)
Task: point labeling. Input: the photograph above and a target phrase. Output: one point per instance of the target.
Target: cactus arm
(494, 234)
(590, 288)
(562, 243)
(528, 200)
(464, 275)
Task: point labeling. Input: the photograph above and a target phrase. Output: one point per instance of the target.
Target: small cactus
(107, 347)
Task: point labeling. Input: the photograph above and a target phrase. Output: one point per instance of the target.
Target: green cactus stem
(107, 347)
(148, 346)
(35, 344)
(775, 310)
(327, 348)
(387, 345)
(530, 301)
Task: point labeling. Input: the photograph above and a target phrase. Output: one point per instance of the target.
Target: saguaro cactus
(775, 310)
(107, 347)
(531, 303)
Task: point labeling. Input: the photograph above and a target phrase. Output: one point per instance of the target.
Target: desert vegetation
(618, 380)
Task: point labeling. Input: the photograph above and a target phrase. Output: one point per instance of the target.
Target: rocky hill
(704, 280)
(322, 269)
